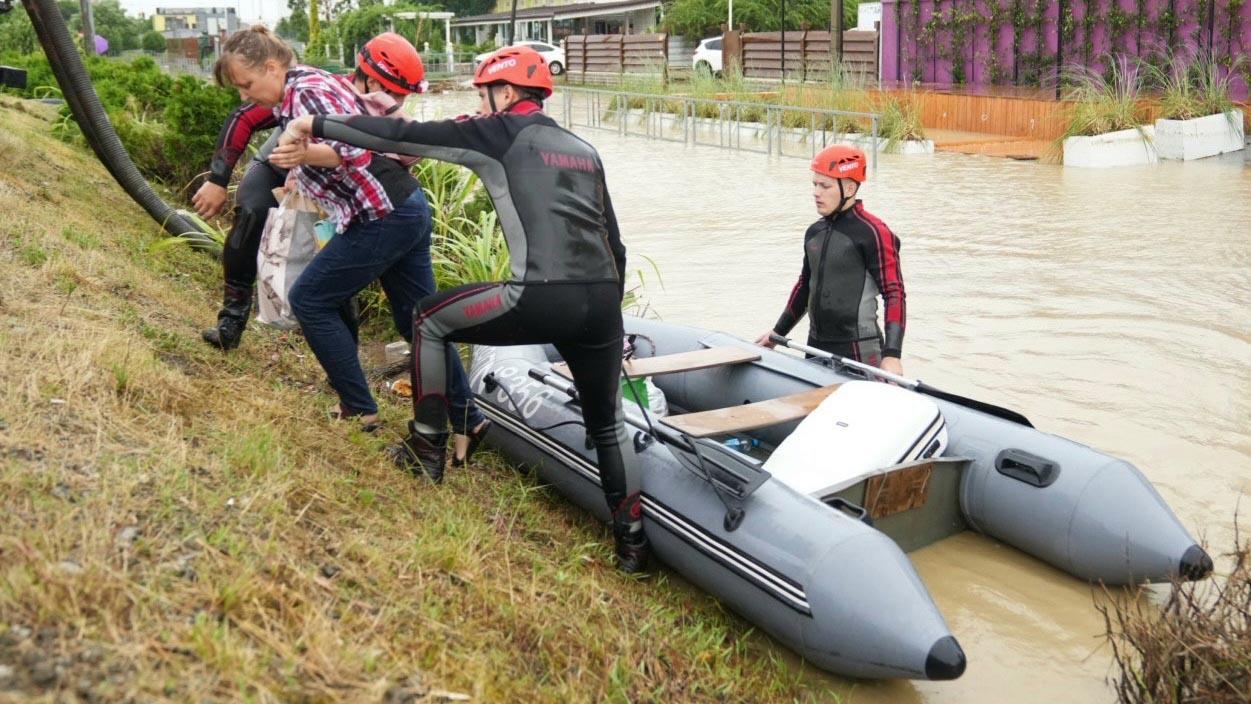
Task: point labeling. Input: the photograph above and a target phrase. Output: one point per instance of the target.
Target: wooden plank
(749, 416)
(680, 362)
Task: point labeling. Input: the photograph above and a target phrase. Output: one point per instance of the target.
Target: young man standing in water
(850, 258)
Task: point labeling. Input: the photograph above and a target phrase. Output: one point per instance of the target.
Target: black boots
(421, 453)
(627, 532)
(231, 319)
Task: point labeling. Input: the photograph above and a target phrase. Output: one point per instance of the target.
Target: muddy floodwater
(1112, 307)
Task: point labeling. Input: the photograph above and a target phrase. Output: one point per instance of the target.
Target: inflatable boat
(792, 489)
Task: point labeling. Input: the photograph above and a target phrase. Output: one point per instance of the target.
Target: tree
(17, 34)
(295, 25)
(696, 19)
(111, 22)
(468, 8)
(152, 41)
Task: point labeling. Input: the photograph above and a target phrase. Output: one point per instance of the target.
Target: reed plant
(1195, 648)
(1104, 102)
(900, 119)
(1192, 85)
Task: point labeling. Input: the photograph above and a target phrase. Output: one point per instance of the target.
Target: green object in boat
(634, 390)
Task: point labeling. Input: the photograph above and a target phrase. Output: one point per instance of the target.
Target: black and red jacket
(850, 258)
(547, 184)
(232, 141)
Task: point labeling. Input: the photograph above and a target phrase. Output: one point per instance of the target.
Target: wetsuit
(567, 262)
(849, 259)
(253, 199)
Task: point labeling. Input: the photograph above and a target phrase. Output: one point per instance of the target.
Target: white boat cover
(860, 429)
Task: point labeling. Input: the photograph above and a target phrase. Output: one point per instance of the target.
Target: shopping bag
(287, 247)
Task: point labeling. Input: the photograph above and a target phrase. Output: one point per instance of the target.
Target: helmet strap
(842, 198)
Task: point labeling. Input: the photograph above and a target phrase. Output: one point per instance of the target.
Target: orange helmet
(392, 61)
(517, 65)
(841, 161)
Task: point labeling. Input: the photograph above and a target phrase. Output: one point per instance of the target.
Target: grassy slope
(181, 524)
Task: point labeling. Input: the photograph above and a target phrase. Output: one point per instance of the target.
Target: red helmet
(392, 61)
(841, 161)
(517, 65)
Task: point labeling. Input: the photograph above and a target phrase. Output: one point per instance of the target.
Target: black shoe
(231, 319)
(627, 532)
(421, 453)
(633, 550)
(475, 439)
(226, 335)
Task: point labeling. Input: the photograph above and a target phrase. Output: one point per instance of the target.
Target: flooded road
(1112, 307)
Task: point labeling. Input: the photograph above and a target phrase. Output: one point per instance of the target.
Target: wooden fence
(809, 54)
(615, 54)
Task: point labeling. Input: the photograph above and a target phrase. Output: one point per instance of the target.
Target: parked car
(554, 55)
(707, 57)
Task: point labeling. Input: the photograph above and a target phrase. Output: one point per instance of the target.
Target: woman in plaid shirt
(381, 218)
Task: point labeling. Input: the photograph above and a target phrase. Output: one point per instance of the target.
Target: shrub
(193, 116)
(1196, 648)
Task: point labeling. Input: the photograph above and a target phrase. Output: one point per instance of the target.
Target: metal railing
(437, 65)
(785, 130)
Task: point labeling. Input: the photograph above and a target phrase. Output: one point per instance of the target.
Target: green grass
(1193, 85)
(183, 525)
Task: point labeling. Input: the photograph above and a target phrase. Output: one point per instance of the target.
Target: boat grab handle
(1027, 467)
(857, 511)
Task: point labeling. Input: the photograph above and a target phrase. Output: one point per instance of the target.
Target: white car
(707, 57)
(554, 55)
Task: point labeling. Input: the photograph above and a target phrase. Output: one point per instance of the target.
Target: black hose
(85, 106)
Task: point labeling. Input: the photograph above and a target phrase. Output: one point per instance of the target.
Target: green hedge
(169, 125)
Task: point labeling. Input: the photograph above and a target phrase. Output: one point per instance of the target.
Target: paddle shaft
(914, 384)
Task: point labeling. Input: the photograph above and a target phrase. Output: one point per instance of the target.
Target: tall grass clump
(900, 120)
(1197, 648)
(1104, 103)
(1192, 85)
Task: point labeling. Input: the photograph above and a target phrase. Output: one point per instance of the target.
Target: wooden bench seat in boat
(749, 416)
(680, 362)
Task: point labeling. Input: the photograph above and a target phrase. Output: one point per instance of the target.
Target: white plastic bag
(287, 246)
(656, 402)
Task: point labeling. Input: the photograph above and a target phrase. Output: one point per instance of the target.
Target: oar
(915, 384)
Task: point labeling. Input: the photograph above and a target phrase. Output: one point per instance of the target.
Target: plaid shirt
(348, 193)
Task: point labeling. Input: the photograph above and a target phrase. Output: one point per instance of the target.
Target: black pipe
(1211, 28)
(512, 25)
(1059, 46)
(85, 106)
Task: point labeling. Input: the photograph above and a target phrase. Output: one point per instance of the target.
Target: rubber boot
(631, 543)
(231, 319)
(421, 452)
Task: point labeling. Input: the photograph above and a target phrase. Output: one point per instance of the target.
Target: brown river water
(1112, 307)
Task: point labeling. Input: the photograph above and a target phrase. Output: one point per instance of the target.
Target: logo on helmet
(847, 166)
(500, 66)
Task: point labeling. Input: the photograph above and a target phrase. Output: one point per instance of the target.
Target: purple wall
(958, 47)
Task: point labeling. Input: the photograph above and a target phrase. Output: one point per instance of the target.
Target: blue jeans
(395, 250)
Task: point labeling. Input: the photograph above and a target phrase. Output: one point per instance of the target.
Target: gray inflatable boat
(792, 490)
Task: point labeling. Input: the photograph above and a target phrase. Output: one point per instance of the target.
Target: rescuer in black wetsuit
(850, 258)
(567, 261)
